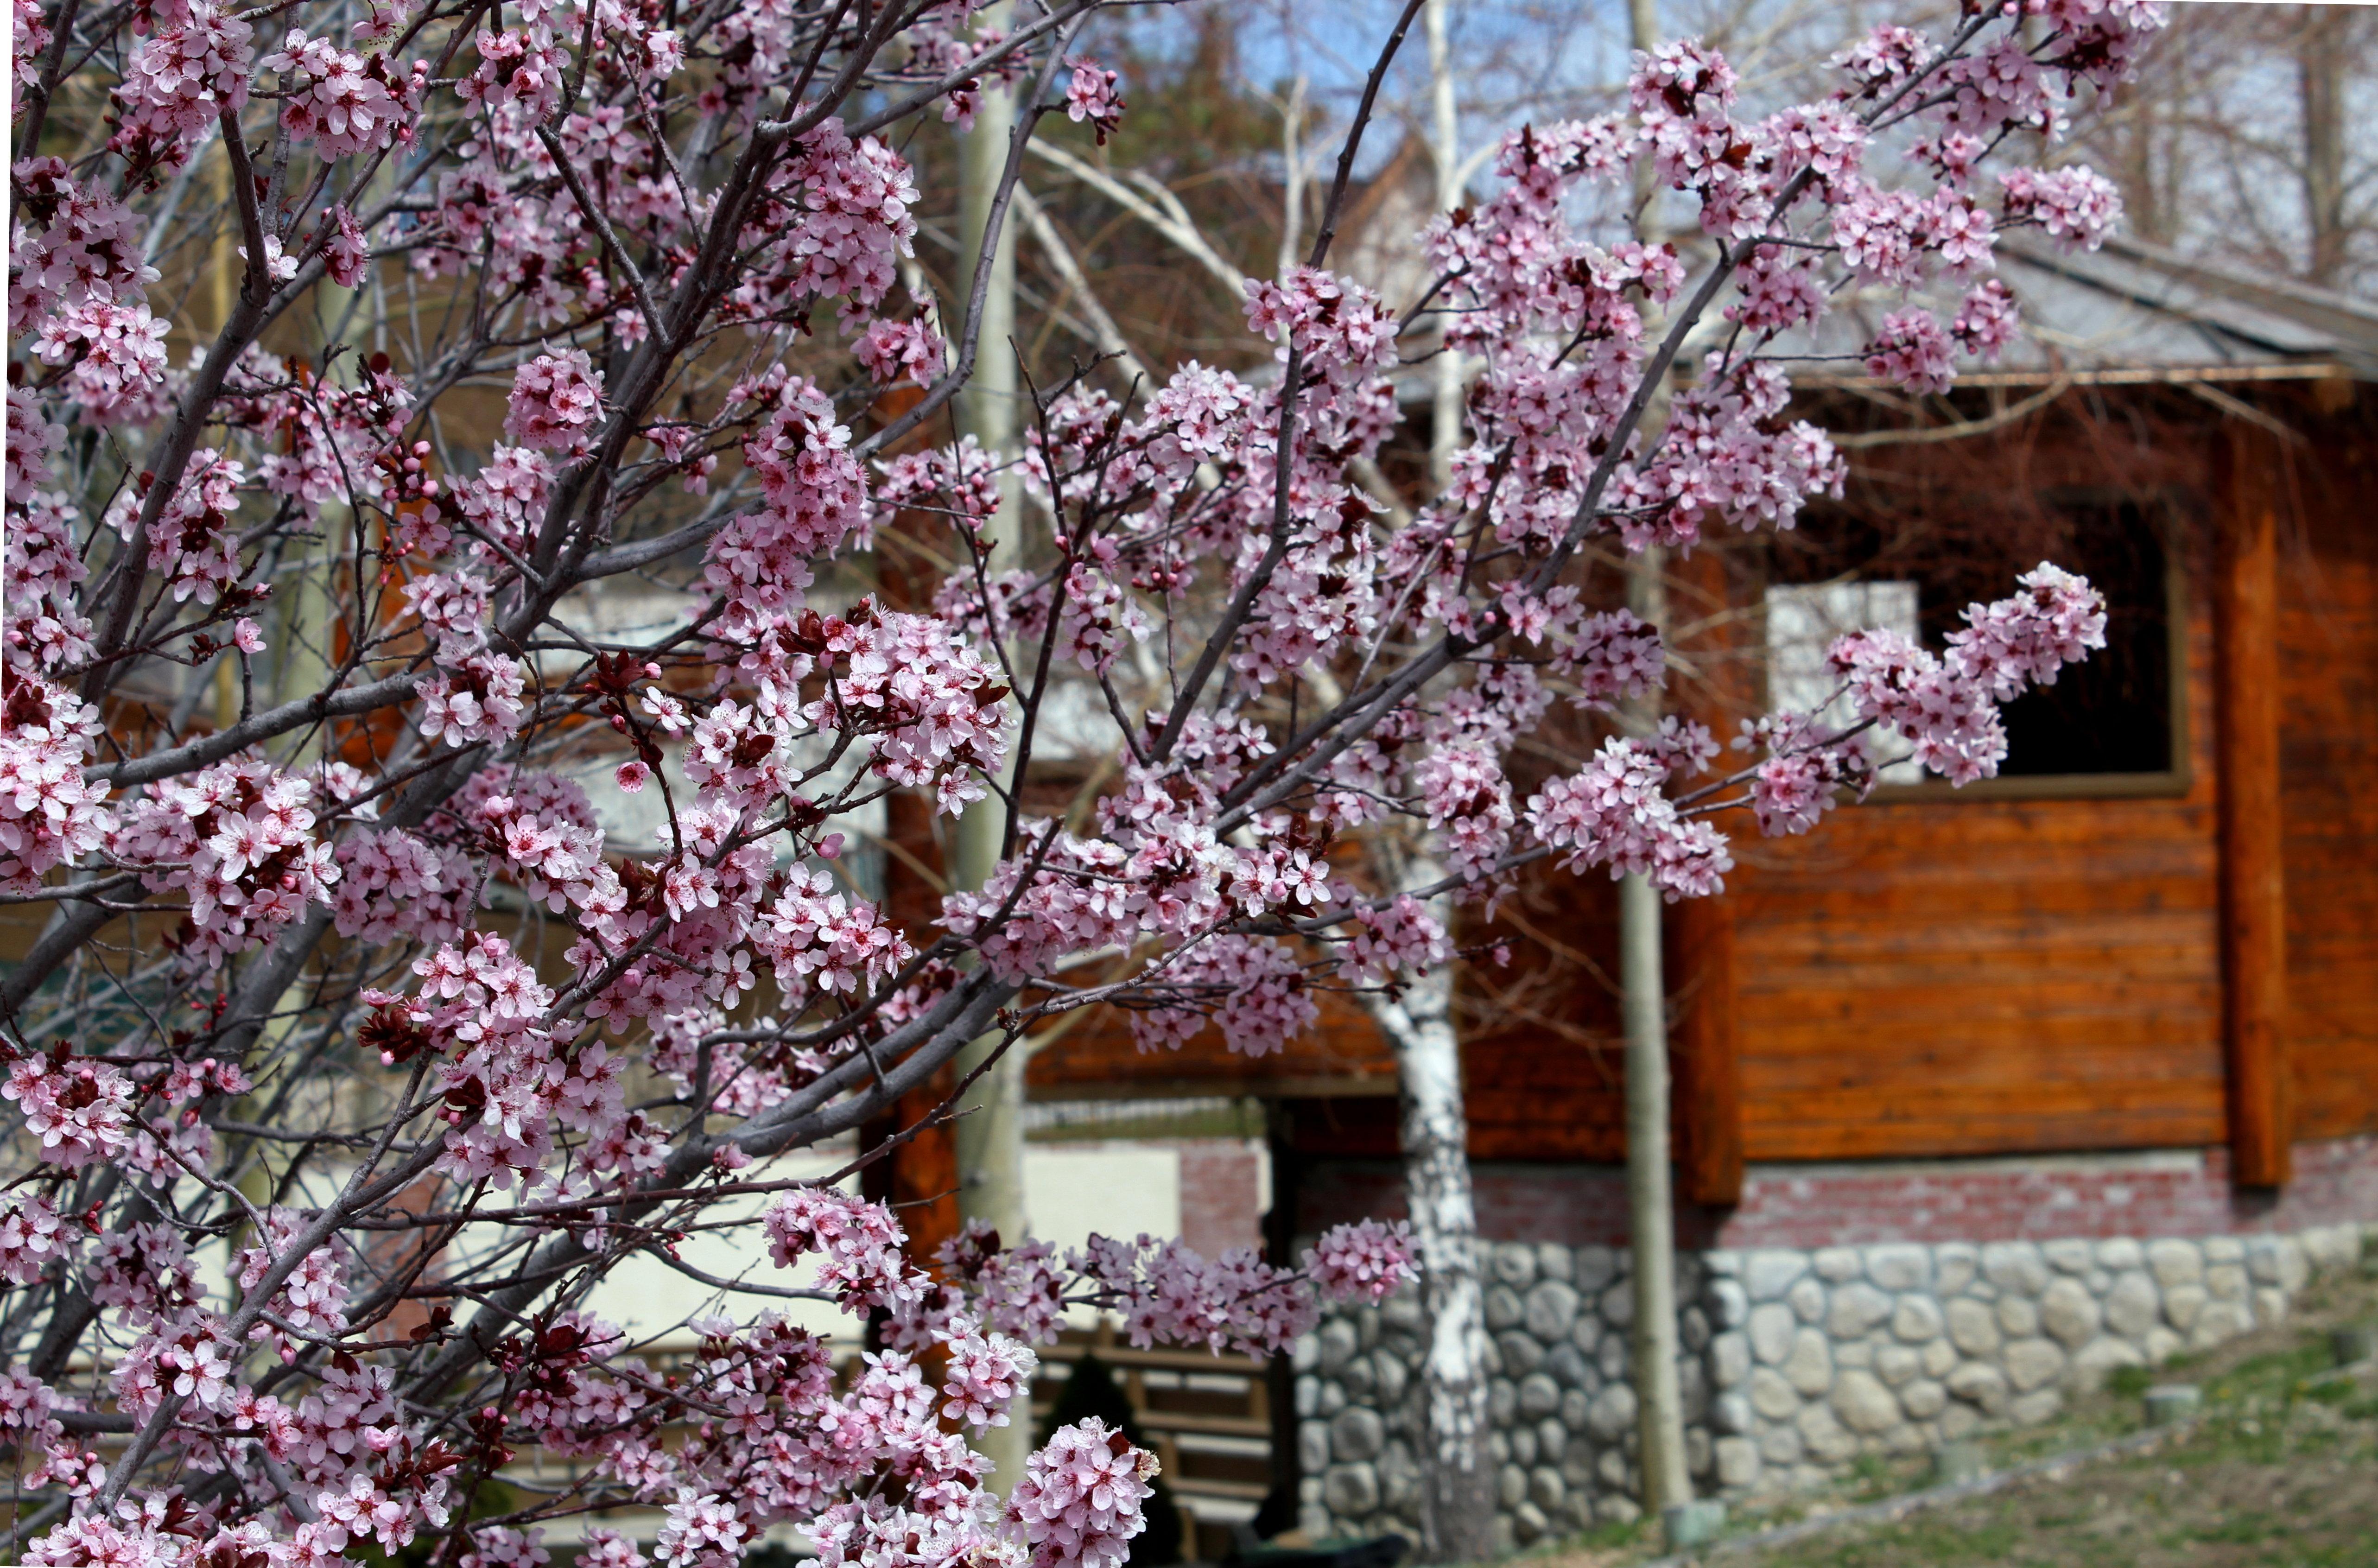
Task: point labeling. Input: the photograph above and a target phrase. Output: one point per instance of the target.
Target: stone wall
(1793, 1362)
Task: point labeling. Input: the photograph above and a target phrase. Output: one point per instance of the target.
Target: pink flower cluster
(2075, 205)
(78, 245)
(1366, 1260)
(858, 1242)
(1090, 95)
(556, 400)
(237, 839)
(341, 102)
(1911, 351)
(79, 1112)
(893, 351)
(32, 1236)
(191, 541)
(1988, 320)
(49, 815)
(839, 218)
(1947, 706)
(813, 486)
(1614, 811)
(988, 1373)
(1083, 1497)
(179, 82)
(116, 356)
(393, 885)
(1401, 937)
(1338, 329)
(477, 697)
(930, 700)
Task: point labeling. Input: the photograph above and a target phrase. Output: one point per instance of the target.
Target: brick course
(2176, 1192)
(1221, 1193)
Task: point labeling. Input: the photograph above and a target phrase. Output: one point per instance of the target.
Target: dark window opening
(2112, 713)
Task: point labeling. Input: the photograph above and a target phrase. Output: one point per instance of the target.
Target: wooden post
(1703, 1040)
(2253, 903)
(1708, 1055)
(920, 1177)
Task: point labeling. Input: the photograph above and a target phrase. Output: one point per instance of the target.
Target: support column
(1703, 1040)
(2253, 903)
(1708, 1054)
(919, 1176)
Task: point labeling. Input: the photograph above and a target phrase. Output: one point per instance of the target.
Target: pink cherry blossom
(555, 400)
(342, 102)
(1366, 1260)
(1988, 320)
(117, 354)
(1081, 1500)
(180, 82)
(2077, 206)
(307, 650)
(1090, 95)
(1912, 351)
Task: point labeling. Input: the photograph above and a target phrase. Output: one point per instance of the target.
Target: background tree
(2239, 145)
(316, 642)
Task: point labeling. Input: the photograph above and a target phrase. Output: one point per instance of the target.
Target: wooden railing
(1208, 1416)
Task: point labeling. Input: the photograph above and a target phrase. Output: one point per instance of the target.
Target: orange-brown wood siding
(1965, 975)
(1342, 1054)
(1984, 977)
(1542, 1054)
(2254, 872)
(2328, 741)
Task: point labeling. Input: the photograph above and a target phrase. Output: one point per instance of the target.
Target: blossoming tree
(350, 1062)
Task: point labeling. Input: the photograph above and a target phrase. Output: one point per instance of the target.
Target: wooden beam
(2254, 902)
(1706, 1045)
(919, 1175)
(1703, 1036)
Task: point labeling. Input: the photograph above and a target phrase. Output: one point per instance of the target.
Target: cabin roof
(2133, 311)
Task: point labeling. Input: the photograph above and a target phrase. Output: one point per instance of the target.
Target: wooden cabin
(2156, 930)
(2122, 997)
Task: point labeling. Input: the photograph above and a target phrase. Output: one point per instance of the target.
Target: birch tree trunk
(1456, 1465)
(1445, 429)
(2320, 77)
(1457, 1468)
(990, 1130)
(1651, 1196)
(1643, 975)
(1651, 1202)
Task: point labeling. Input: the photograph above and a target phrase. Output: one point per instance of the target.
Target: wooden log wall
(1973, 976)
(2326, 572)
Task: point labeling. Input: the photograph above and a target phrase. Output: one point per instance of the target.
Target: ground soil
(2282, 1469)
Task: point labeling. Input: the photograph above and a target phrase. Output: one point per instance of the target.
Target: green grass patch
(2133, 1382)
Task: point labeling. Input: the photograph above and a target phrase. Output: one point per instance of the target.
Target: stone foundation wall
(1794, 1361)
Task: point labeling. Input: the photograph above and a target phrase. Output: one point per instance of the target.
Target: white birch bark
(1444, 430)
(1650, 1198)
(1650, 1202)
(991, 1133)
(1456, 1464)
(1292, 179)
(1651, 1194)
